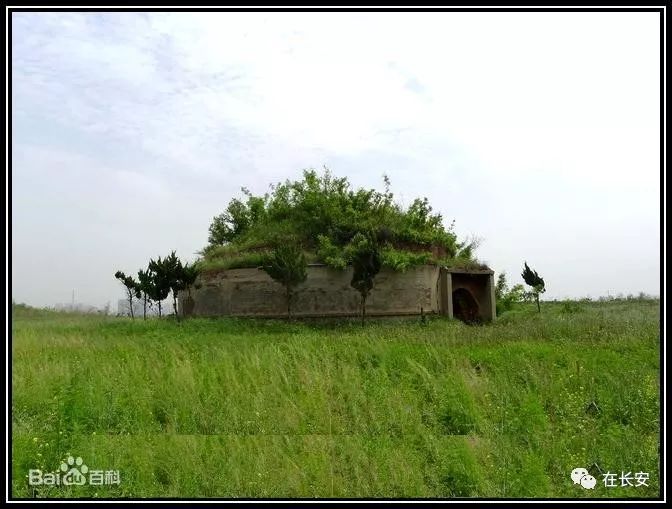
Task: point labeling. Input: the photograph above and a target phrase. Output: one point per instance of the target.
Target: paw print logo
(74, 469)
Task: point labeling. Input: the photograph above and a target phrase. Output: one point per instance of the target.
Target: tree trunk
(289, 304)
(144, 307)
(538, 307)
(130, 304)
(363, 308)
(159, 302)
(177, 317)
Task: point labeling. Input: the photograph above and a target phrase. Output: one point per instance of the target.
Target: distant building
(123, 309)
(76, 307)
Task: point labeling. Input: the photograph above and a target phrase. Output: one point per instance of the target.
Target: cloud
(530, 129)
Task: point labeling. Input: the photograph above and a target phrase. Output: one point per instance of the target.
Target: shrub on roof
(324, 213)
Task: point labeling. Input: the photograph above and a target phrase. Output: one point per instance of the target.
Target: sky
(537, 133)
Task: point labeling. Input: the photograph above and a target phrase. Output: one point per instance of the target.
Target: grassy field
(247, 408)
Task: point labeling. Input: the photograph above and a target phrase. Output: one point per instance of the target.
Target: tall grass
(254, 408)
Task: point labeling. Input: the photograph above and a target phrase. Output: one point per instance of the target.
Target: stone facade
(327, 292)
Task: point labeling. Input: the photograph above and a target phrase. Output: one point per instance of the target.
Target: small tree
(132, 289)
(366, 263)
(174, 277)
(231, 223)
(501, 288)
(189, 275)
(287, 265)
(164, 276)
(535, 281)
(145, 284)
(160, 283)
(507, 298)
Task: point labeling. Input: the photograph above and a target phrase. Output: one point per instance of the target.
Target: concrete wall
(326, 292)
(479, 283)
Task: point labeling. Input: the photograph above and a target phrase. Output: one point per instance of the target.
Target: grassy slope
(240, 408)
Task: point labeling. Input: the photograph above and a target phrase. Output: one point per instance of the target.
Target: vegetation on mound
(323, 214)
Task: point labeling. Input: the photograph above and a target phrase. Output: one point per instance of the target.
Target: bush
(322, 213)
(287, 266)
(330, 253)
(507, 299)
(397, 259)
(570, 307)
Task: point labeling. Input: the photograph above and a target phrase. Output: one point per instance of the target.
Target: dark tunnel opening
(465, 307)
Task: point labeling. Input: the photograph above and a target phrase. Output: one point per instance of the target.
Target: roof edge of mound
(483, 269)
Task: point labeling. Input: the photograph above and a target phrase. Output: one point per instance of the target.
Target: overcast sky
(537, 132)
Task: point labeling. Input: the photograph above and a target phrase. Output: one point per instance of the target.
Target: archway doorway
(465, 307)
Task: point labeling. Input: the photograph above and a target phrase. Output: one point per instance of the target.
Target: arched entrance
(465, 307)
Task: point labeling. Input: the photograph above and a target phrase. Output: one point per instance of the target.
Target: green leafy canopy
(533, 279)
(323, 213)
(287, 265)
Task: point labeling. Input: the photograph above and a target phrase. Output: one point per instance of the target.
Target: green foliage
(287, 265)
(461, 263)
(146, 286)
(189, 275)
(534, 280)
(331, 254)
(155, 283)
(501, 287)
(323, 213)
(245, 408)
(169, 274)
(397, 259)
(183, 278)
(175, 276)
(231, 223)
(390, 257)
(250, 260)
(642, 296)
(516, 294)
(365, 256)
(160, 281)
(131, 284)
(145, 281)
(133, 289)
(172, 267)
(507, 299)
(570, 307)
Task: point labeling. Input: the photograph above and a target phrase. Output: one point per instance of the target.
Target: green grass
(252, 408)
